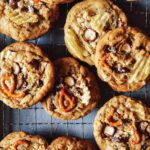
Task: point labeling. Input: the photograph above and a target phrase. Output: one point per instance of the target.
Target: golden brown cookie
(76, 91)
(123, 59)
(26, 19)
(23, 141)
(26, 75)
(89, 21)
(70, 143)
(122, 123)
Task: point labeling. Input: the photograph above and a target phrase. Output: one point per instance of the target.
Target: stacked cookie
(96, 32)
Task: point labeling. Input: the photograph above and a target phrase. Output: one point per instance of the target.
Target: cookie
(70, 143)
(123, 59)
(122, 123)
(76, 91)
(89, 21)
(23, 141)
(26, 19)
(26, 75)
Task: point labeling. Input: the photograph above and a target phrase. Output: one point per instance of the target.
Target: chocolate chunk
(13, 3)
(144, 146)
(141, 47)
(109, 131)
(112, 49)
(35, 63)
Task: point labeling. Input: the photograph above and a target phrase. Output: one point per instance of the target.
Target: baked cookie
(70, 143)
(23, 141)
(26, 19)
(26, 75)
(123, 59)
(76, 91)
(87, 22)
(122, 123)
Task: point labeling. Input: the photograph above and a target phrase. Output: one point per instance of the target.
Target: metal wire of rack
(35, 119)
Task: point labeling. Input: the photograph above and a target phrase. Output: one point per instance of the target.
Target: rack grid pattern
(35, 120)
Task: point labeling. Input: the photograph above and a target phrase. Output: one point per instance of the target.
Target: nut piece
(109, 131)
(90, 35)
(69, 81)
(143, 125)
(16, 68)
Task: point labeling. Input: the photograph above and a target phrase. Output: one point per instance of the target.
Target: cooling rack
(35, 120)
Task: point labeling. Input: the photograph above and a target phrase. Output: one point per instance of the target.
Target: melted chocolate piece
(35, 63)
(107, 48)
(144, 146)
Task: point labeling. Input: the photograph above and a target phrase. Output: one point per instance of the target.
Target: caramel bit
(90, 35)
(21, 142)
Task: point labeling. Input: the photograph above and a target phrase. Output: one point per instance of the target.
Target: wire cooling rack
(35, 120)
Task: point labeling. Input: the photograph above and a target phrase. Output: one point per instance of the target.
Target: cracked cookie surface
(122, 123)
(123, 59)
(23, 141)
(26, 75)
(76, 91)
(70, 143)
(89, 21)
(26, 19)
